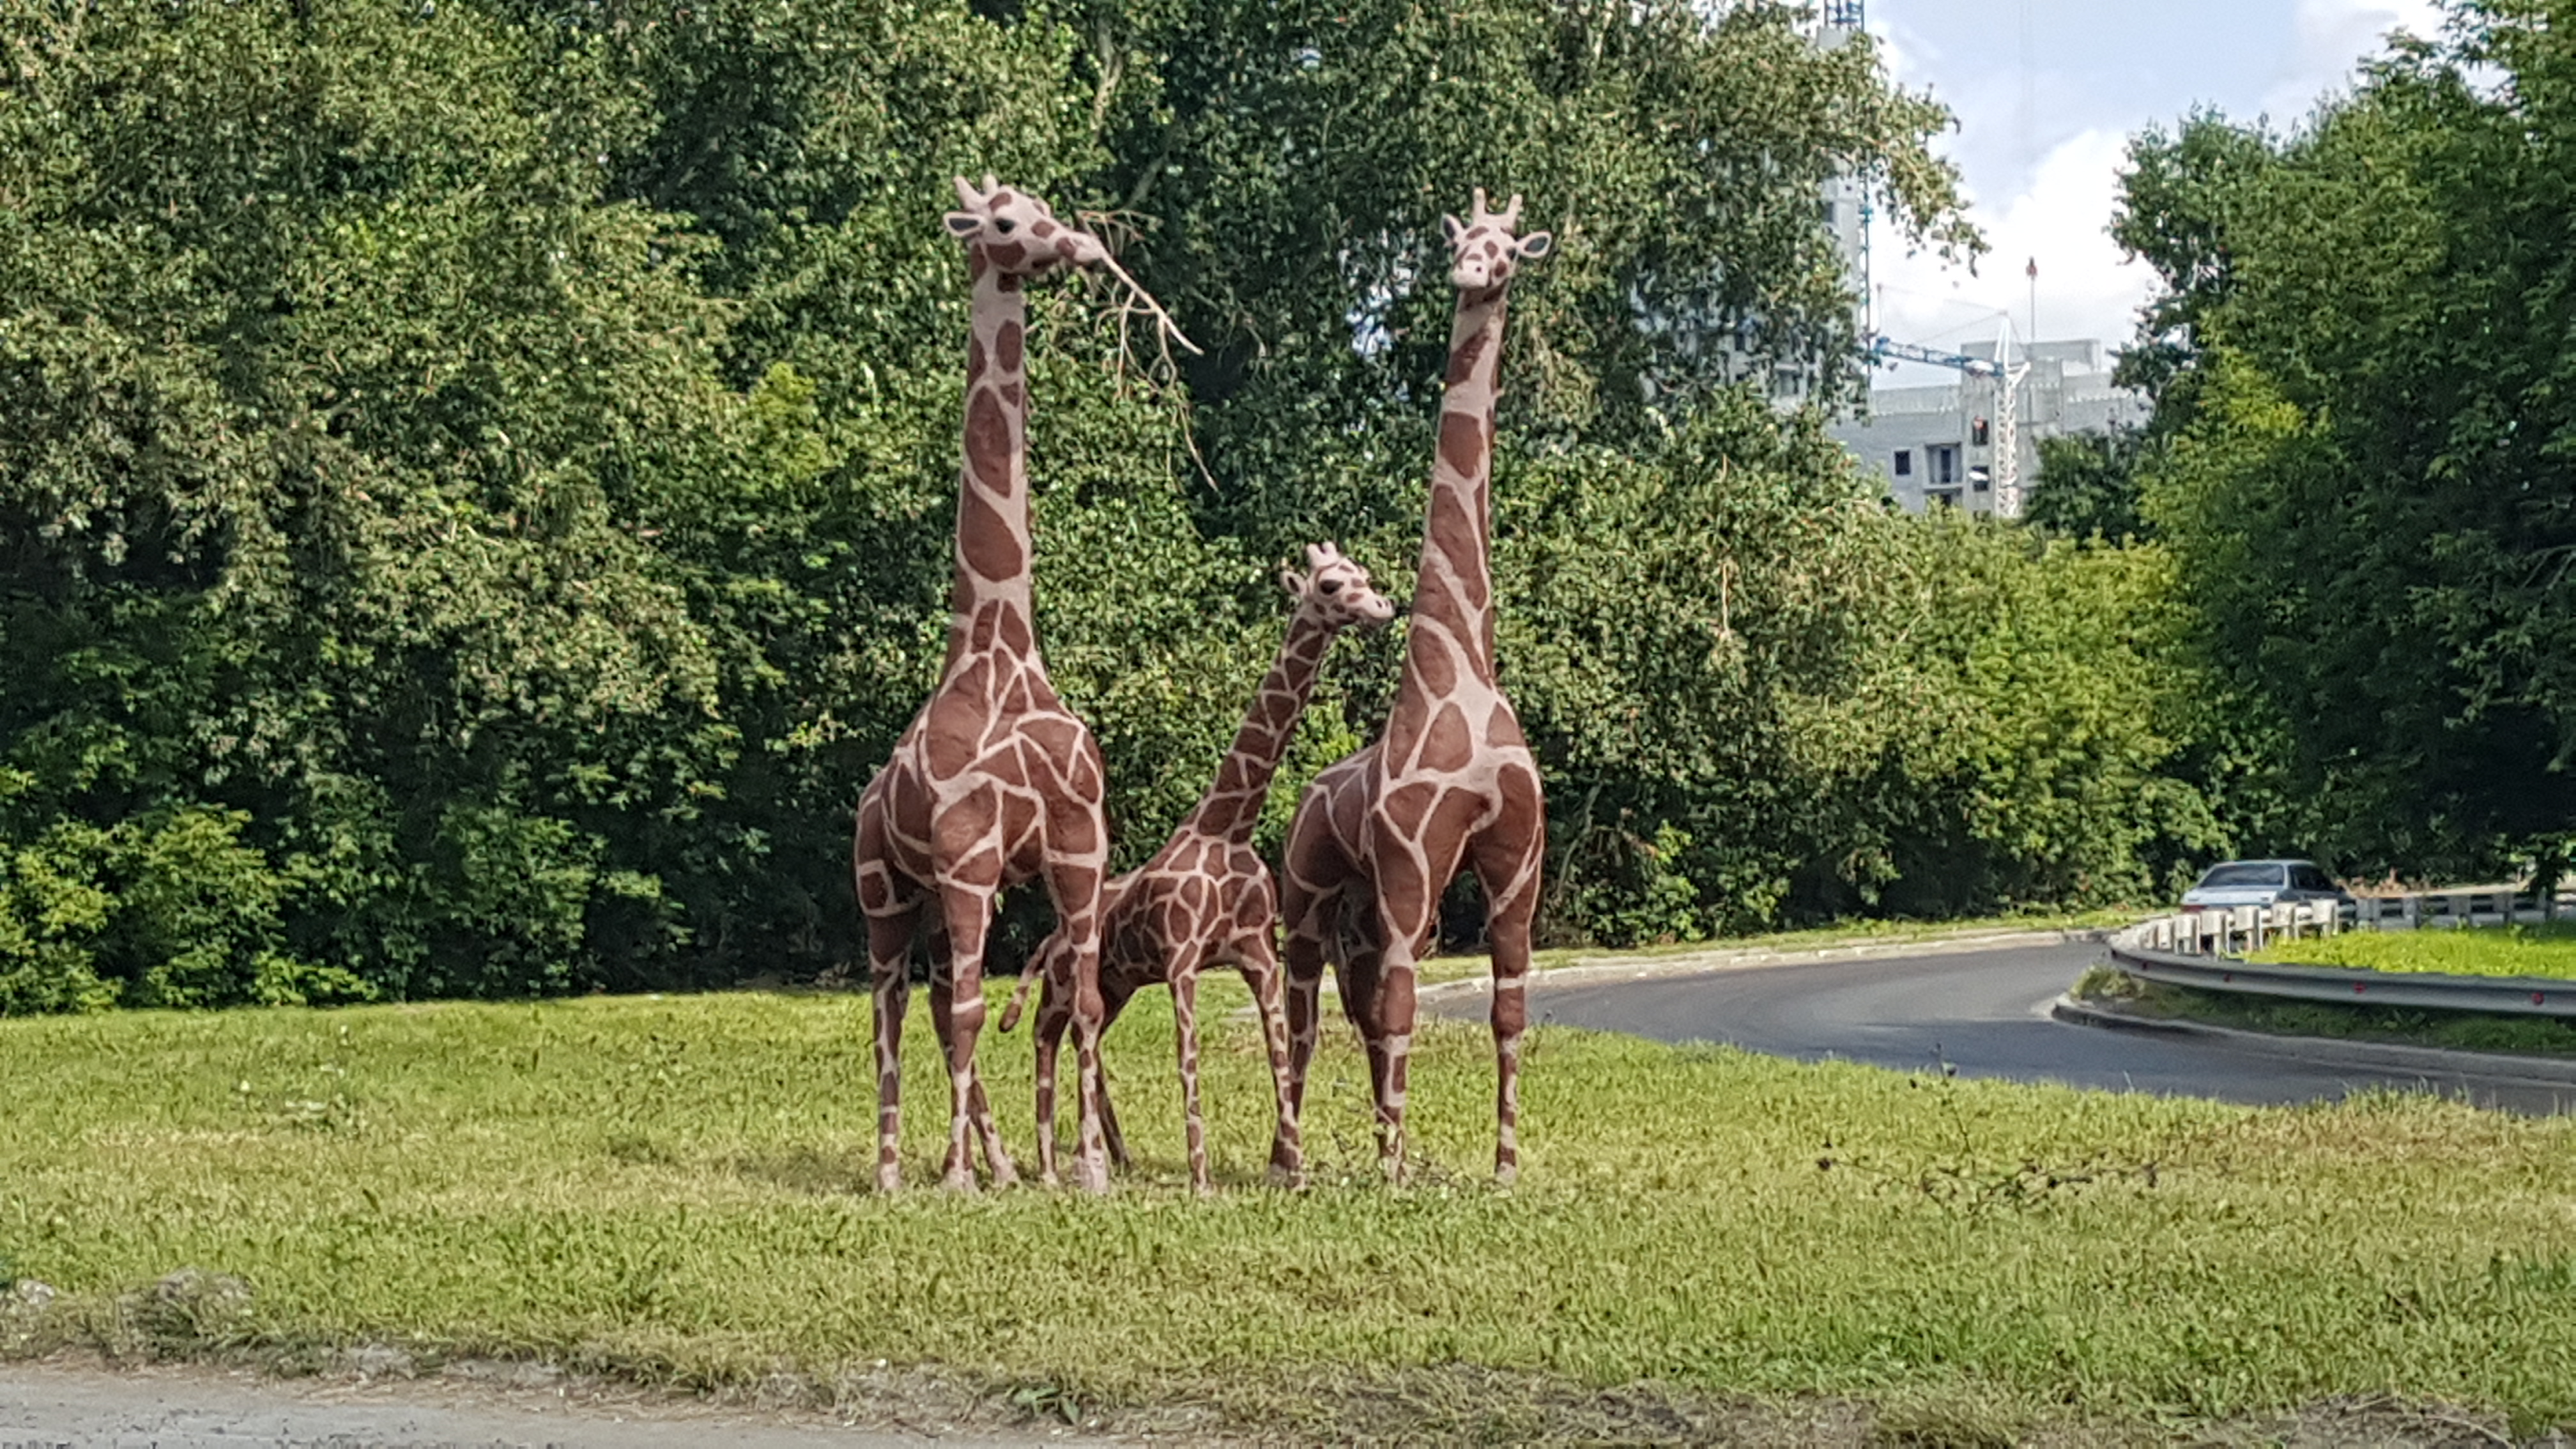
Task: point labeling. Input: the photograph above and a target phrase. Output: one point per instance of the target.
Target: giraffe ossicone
(995, 781)
(1206, 898)
(1451, 780)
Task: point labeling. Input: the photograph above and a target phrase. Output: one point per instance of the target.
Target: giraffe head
(1017, 233)
(1336, 590)
(1483, 251)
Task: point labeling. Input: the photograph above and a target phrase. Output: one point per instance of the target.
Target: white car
(2264, 883)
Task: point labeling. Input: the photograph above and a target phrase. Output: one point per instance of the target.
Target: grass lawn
(2523, 950)
(674, 1189)
(2474, 1031)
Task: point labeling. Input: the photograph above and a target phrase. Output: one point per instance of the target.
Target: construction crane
(2006, 375)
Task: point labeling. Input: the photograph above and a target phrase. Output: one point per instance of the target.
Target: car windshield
(2242, 874)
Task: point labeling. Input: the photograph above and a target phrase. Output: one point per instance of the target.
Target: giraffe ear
(1536, 244)
(961, 224)
(1452, 228)
(1294, 582)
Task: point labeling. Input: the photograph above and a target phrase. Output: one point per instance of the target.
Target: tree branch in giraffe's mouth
(1162, 318)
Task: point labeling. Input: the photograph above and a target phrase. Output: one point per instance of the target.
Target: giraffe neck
(1233, 803)
(990, 603)
(1453, 596)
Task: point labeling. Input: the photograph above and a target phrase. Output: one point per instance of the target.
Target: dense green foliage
(2088, 487)
(2360, 450)
(475, 480)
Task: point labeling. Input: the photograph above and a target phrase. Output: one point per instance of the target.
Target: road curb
(1703, 963)
(2540, 1071)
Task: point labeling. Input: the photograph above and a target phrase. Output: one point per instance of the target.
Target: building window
(1905, 462)
(1947, 498)
(1980, 479)
(1978, 433)
(1944, 458)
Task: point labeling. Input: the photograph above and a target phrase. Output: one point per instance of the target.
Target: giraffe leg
(1114, 997)
(890, 977)
(1302, 1008)
(1185, 1035)
(891, 911)
(979, 1106)
(1257, 959)
(1074, 882)
(1408, 899)
(1055, 1013)
(1507, 862)
(957, 1010)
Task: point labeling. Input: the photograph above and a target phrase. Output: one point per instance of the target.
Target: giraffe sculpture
(1206, 897)
(1377, 836)
(995, 782)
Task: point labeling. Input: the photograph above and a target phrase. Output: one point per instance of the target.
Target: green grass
(2525, 950)
(674, 1189)
(2405, 1026)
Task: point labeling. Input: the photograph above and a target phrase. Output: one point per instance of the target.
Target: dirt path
(59, 1405)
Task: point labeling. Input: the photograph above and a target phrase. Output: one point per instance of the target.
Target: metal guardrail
(2201, 950)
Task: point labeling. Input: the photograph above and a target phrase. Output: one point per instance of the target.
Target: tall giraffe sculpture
(1206, 897)
(995, 782)
(1378, 836)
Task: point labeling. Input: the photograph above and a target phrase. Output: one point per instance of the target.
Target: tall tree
(2368, 418)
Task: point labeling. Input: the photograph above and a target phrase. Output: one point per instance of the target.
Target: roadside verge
(2386, 1056)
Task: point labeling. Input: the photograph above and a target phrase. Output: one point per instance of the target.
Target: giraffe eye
(1005, 226)
(1332, 586)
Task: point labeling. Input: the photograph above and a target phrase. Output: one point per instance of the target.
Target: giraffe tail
(1029, 975)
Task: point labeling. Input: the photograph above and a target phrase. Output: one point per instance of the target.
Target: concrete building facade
(1934, 445)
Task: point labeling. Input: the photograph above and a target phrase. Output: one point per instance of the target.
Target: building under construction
(1941, 445)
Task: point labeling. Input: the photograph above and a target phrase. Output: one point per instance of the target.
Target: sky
(2047, 93)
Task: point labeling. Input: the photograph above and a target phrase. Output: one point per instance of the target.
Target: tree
(2367, 420)
(2088, 488)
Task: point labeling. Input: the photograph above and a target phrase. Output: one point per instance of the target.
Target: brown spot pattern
(1462, 363)
(1462, 443)
(950, 732)
(1448, 746)
(1406, 805)
(988, 439)
(1006, 347)
(989, 549)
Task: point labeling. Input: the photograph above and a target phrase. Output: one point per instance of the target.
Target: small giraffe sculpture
(995, 782)
(1377, 837)
(1206, 898)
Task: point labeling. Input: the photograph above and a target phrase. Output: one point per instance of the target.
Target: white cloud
(2060, 221)
(2332, 38)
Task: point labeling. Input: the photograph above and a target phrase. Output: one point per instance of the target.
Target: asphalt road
(60, 1407)
(1986, 1014)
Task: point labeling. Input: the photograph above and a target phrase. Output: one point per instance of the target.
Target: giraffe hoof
(889, 1179)
(1286, 1178)
(1506, 1173)
(1092, 1178)
(1004, 1177)
(957, 1181)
